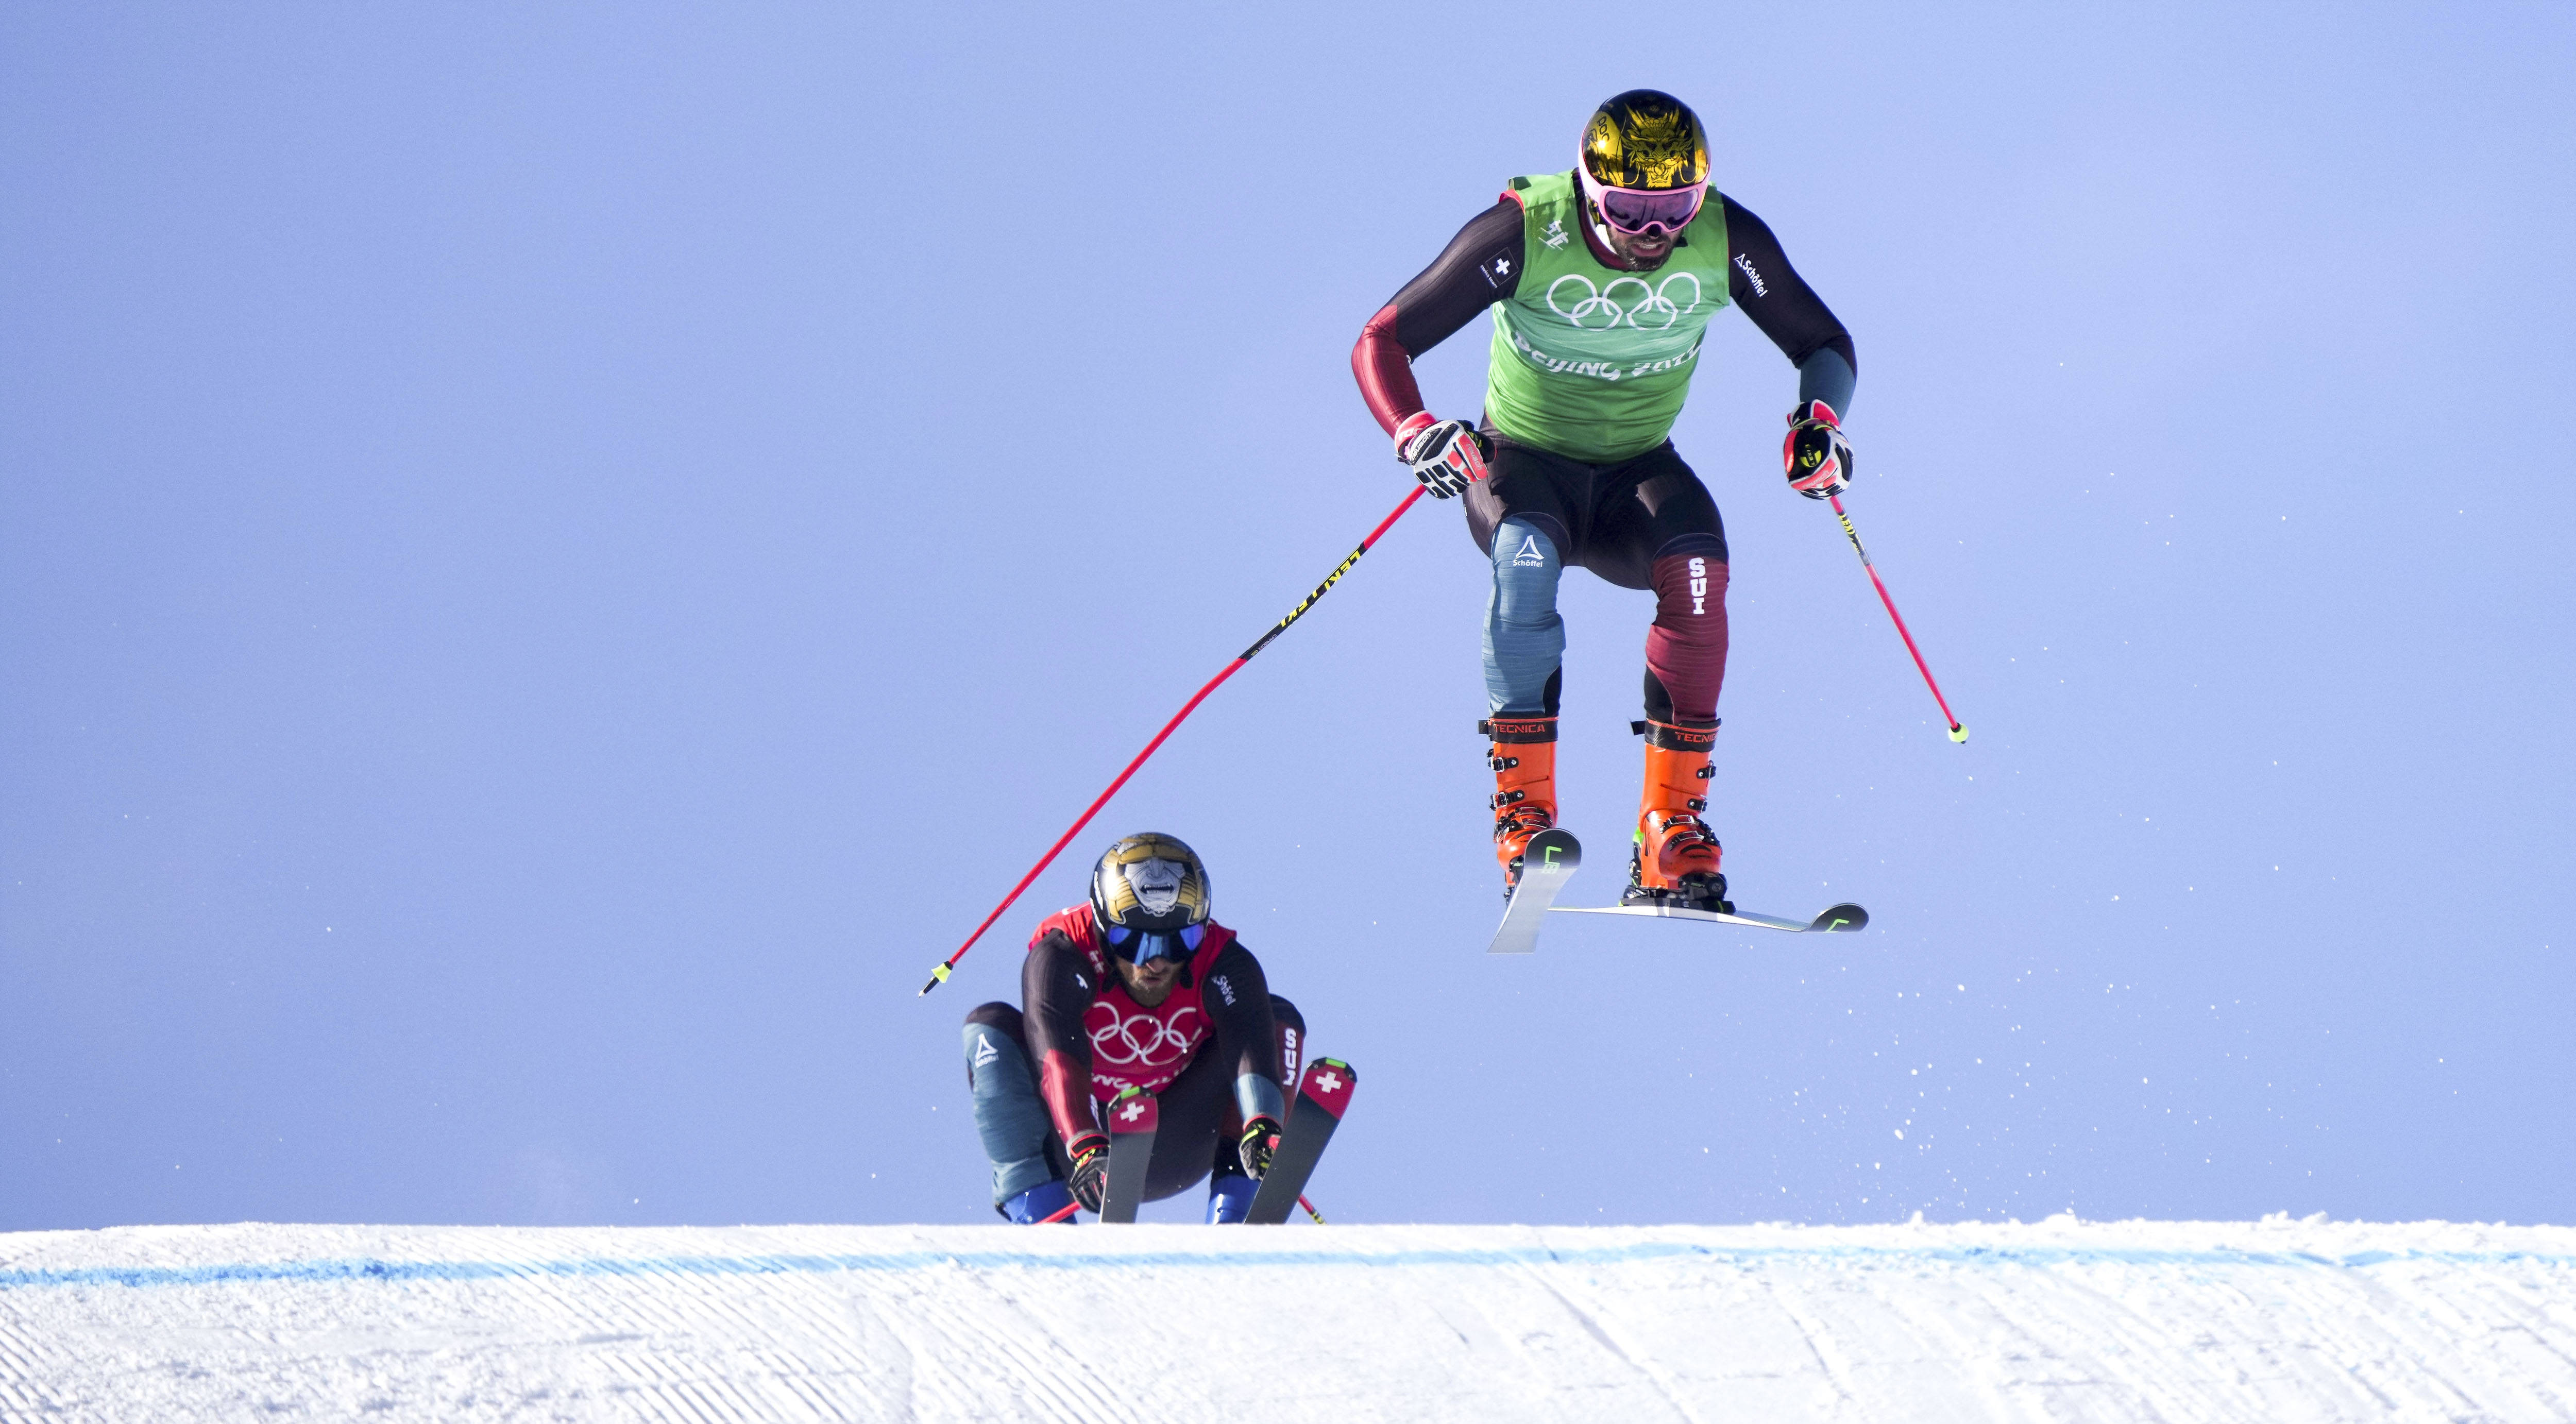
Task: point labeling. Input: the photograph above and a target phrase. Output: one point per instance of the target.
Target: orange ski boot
(1675, 861)
(1523, 757)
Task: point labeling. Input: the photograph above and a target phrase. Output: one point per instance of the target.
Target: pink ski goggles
(1640, 212)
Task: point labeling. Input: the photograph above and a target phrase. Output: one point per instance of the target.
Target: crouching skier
(1138, 988)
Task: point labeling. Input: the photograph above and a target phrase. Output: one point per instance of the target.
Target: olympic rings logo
(1145, 1041)
(1653, 308)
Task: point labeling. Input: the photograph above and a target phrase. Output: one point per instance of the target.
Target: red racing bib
(1133, 1046)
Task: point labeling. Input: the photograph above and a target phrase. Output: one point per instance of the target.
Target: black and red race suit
(1090, 1039)
(1482, 265)
(1644, 521)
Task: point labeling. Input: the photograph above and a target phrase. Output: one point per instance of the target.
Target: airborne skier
(1137, 988)
(1602, 281)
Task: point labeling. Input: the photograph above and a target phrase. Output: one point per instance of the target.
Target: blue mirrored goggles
(1143, 947)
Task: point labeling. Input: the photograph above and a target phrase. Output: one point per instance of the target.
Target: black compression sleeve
(1479, 267)
(1055, 991)
(1773, 294)
(1238, 999)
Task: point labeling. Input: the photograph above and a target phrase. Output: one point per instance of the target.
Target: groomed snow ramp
(2276, 1321)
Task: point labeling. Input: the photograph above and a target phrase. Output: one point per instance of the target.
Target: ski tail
(1321, 1100)
(1132, 1120)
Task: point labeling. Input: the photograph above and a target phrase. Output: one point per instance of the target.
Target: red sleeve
(1065, 1087)
(1385, 372)
(1479, 267)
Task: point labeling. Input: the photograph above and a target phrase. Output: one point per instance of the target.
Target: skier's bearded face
(1642, 250)
(1148, 983)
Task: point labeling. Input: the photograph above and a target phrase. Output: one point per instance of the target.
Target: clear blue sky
(553, 562)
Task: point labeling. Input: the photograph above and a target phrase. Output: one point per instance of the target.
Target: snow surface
(2275, 1320)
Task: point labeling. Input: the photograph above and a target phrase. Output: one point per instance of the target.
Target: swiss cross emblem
(1133, 1110)
(1328, 1085)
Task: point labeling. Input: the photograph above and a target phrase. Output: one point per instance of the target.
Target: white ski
(1549, 862)
(1840, 919)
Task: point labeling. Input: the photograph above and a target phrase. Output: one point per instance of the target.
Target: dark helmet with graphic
(1645, 162)
(1149, 894)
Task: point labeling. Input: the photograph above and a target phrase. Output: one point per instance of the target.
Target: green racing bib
(1589, 361)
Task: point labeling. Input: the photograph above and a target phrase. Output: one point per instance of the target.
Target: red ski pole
(1958, 733)
(939, 975)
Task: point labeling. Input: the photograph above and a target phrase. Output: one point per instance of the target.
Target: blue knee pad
(1008, 1115)
(1524, 638)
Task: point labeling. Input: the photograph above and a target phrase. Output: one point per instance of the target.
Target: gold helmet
(1645, 138)
(1149, 894)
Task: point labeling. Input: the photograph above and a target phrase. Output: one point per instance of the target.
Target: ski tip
(1328, 1085)
(1133, 1111)
(1841, 919)
(1958, 733)
(1550, 857)
(1555, 846)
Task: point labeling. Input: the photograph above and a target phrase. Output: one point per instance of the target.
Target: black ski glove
(1816, 455)
(1446, 455)
(1090, 1181)
(1260, 1140)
